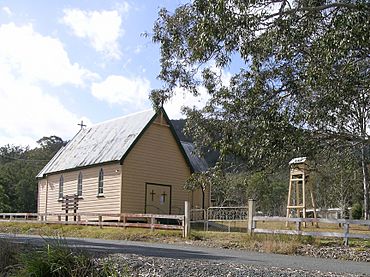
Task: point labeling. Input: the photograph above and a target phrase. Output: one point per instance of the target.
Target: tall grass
(9, 257)
(55, 259)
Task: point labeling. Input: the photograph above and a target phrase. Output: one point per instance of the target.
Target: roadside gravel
(326, 252)
(335, 252)
(140, 266)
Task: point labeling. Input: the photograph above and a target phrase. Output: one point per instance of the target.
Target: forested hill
(18, 168)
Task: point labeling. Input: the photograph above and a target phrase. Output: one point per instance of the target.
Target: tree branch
(321, 8)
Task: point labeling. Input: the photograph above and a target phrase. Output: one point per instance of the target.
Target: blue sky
(64, 61)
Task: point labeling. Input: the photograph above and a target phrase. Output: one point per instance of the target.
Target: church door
(157, 199)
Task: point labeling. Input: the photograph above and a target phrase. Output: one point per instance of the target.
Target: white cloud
(121, 90)
(182, 98)
(122, 7)
(34, 57)
(138, 49)
(7, 10)
(27, 113)
(28, 60)
(101, 28)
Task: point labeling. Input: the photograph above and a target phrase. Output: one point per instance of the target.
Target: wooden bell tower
(298, 183)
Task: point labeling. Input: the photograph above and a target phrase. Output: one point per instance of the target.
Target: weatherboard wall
(41, 196)
(156, 158)
(90, 201)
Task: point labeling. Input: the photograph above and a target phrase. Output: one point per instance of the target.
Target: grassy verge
(114, 233)
(55, 259)
(282, 244)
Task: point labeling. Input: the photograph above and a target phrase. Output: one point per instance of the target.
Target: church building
(132, 164)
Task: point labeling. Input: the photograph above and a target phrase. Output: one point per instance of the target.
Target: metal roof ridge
(121, 117)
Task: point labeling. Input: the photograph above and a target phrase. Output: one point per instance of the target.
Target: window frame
(61, 187)
(101, 182)
(79, 184)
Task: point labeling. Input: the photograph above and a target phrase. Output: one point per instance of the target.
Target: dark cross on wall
(152, 193)
(82, 125)
(164, 196)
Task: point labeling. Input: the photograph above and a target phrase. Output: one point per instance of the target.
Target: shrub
(357, 211)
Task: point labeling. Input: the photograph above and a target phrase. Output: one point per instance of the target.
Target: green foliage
(357, 211)
(234, 189)
(18, 169)
(302, 85)
(8, 257)
(270, 192)
(336, 177)
(58, 259)
(203, 181)
(230, 191)
(4, 200)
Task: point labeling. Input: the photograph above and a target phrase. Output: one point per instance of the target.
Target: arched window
(101, 182)
(79, 184)
(61, 182)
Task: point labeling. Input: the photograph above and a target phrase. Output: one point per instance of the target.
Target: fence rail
(345, 223)
(208, 217)
(152, 221)
(247, 219)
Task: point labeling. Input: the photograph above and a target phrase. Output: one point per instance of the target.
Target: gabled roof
(199, 164)
(106, 142)
(101, 143)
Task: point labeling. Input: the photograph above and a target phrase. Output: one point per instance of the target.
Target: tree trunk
(365, 174)
(203, 195)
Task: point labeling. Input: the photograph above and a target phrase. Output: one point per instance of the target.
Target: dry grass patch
(281, 244)
(113, 233)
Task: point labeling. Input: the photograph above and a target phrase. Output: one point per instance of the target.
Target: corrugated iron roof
(199, 164)
(299, 160)
(109, 141)
(105, 142)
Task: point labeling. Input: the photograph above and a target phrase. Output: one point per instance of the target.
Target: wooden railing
(345, 223)
(151, 221)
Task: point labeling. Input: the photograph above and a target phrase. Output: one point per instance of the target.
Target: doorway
(157, 199)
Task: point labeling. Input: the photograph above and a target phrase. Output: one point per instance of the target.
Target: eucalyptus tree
(302, 80)
(18, 169)
(337, 178)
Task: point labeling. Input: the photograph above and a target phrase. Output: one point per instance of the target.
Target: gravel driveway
(136, 265)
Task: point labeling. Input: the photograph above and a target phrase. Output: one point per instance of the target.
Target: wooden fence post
(251, 212)
(187, 220)
(346, 232)
(207, 224)
(124, 221)
(152, 221)
(205, 220)
(298, 225)
(100, 221)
